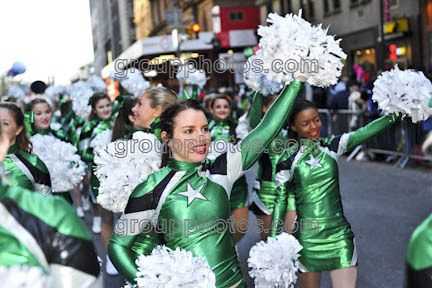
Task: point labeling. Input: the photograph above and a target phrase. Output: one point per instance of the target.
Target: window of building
(311, 9)
(326, 6)
(236, 16)
(336, 4)
(429, 12)
(285, 6)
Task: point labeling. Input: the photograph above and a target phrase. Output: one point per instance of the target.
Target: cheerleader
(44, 232)
(222, 127)
(22, 168)
(190, 188)
(264, 191)
(311, 174)
(137, 115)
(99, 121)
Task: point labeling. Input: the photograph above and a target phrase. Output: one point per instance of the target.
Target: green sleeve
(28, 121)
(255, 114)
(85, 150)
(270, 125)
(121, 255)
(194, 91)
(351, 140)
(284, 202)
(118, 103)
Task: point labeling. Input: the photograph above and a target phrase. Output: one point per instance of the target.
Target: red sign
(386, 4)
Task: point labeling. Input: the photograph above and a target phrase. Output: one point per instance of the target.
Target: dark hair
(21, 140)
(65, 108)
(217, 97)
(300, 106)
(94, 100)
(167, 121)
(119, 129)
(36, 101)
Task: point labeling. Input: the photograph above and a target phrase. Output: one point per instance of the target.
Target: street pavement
(383, 204)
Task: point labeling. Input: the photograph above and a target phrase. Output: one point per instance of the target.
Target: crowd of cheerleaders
(46, 232)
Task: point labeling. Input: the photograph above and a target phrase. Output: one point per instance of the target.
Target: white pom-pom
(243, 128)
(169, 268)
(80, 93)
(97, 84)
(275, 263)
(17, 92)
(407, 92)
(64, 164)
(300, 49)
(24, 277)
(192, 76)
(134, 82)
(258, 81)
(55, 126)
(53, 91)
(136, 160)
(101, 140)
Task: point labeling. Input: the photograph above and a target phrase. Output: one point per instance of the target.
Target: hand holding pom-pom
(300, 49)
(274, 263)
(407, 92)
(24, 277)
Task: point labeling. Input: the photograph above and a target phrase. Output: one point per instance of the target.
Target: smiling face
(9, 125)
(307, 124)
(221, 109)
(103, 109)
(144, 113)
(191, 130)
(42, 116)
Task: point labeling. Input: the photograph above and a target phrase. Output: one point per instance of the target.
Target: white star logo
(193, 194)
(313, 162)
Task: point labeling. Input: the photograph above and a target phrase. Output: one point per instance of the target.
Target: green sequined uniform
(312, 174)
(224, 130)
(265, 189)
(198, 193)
(89, 131)
(26, 170)
(419, 257)
(45, 232)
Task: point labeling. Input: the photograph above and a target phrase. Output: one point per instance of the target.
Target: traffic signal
(192, 30)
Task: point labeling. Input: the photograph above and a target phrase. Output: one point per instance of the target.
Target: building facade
(426, 22)
(113, 29)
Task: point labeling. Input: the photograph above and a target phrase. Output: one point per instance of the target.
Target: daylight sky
(51, 37)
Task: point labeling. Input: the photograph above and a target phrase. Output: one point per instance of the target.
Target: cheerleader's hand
(302, 78)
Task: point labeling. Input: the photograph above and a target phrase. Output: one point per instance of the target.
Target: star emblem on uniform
(193, 194)
(313, 162)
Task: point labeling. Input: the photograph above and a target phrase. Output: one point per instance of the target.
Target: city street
(383, 204)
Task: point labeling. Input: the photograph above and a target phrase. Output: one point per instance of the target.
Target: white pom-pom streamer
(64, 164)
(407, 92)
(96, 83)
(258, 81)
(80, 93)
(101, 140)
(301, 49)
(137, 162)
(275, 263)
(17, 92)
(169, 268)
(24, 277)
(53, 91)
(134, 82)
(191, 76)
(243, 128)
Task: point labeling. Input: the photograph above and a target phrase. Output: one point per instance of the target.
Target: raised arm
(271, 124)
(255, 114)
(351, 140)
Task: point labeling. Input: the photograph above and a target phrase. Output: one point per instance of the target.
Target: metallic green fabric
(419, 252)
(256, 112)
(209, 240)
(59, 134)
(15, 175)
(28, 121)
(323, 231)
(220, 130)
